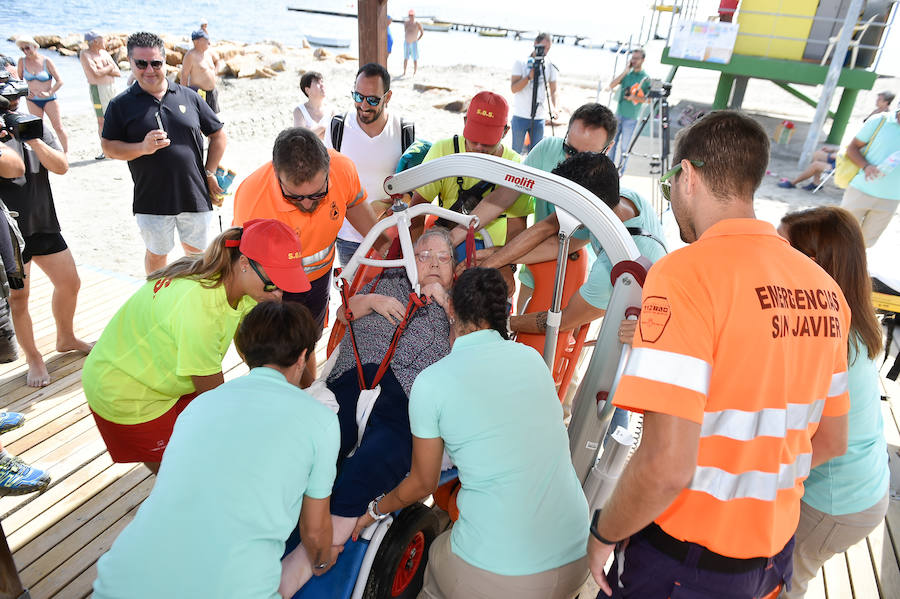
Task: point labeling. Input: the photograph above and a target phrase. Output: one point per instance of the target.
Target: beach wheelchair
(390, 556)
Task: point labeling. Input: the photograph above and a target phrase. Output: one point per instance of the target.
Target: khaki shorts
(101, 95)
(450, 577)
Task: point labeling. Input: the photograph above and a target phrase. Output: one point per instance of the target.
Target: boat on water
(492, 32)
(329, 42)
(435, 26)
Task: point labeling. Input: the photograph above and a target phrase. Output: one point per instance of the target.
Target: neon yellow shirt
(448, 190)
(168, 331)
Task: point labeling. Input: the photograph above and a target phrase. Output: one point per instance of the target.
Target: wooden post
(373, 32)
(10, 585)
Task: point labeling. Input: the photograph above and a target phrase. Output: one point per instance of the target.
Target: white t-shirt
(308, 121)
(522, 100)
(375, 158)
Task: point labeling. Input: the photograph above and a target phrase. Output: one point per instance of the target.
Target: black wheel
(399, 566)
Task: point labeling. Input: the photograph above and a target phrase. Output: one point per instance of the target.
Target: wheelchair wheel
(399, 566)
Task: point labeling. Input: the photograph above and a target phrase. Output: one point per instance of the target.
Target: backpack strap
(407, 134)
(337, 131)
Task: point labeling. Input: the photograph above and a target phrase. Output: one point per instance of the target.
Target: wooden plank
(885, 562)
(50, 422)
(892, 435)
(816, 587)
(71, 549)
(837, 579)
(60, 578)
(47, 507)
(862, 570)
(96, 499)
(69, 458)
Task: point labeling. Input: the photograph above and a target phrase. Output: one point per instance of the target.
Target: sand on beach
(94, 198)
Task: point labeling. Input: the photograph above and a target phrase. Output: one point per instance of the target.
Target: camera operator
(30, 195)
(530, 106)
(635, 83)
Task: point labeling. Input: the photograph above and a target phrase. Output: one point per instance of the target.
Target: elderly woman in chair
(376, 442)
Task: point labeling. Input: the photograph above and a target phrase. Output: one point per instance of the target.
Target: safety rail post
(554, 314)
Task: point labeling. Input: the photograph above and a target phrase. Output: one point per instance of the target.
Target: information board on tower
(706, 41)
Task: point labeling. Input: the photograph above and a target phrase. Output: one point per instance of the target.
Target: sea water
(243, 21)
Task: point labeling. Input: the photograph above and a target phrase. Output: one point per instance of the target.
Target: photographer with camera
(30, 195)
(635, 83)
(532, 81)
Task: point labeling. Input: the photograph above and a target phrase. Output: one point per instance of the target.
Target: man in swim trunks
(200, 67)
(414, 33)
(101, 71)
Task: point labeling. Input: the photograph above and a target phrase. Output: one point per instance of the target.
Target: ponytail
(479, 298)
(211, 267)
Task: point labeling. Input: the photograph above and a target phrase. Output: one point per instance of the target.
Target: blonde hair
(211, 267)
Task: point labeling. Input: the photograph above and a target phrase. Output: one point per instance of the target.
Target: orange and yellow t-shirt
(747, 337)
(259, 196)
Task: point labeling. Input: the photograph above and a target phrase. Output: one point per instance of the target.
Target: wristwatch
(373, 509)
(210, 173)
(596, 534)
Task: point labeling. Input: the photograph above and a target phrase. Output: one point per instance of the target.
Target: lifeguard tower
(787, 42)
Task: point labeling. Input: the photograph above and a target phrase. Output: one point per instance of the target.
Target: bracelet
(209, 173)
(372, 509)
(596, 534)
(321, 566)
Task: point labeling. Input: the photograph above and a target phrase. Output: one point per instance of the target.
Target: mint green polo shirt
(625, 108)
(597, 289)
(885, 143)
(228, 494)
(494, 404)
(858, 479)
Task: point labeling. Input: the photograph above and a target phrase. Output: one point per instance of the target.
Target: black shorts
(43, 244)
(211, 96)
(316, 299)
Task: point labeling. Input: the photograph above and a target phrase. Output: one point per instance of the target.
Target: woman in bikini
(43, 82)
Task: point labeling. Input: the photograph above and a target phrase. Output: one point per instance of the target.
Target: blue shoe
(810, 187)
(785, 184)
(10, 421)
(18, 478)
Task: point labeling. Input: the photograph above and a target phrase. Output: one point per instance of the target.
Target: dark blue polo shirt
(173, 179)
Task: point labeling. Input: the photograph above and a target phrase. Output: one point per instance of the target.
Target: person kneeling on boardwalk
(165, 345)
(215, 523)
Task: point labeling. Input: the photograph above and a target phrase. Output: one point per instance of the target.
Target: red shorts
(143, 442)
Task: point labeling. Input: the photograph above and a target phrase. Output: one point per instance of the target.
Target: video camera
(21, 126)
(540, 50)
(659, 89)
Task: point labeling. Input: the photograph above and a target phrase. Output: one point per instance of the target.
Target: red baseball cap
(276, 247)
(486, 118)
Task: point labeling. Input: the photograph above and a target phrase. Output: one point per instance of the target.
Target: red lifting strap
(415, 302)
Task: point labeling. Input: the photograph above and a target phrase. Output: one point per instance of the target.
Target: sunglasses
(428, 255)
(268, 286)
(142, 65)
(666, 186)
(297, 198)
(570, 150)
(370, 100)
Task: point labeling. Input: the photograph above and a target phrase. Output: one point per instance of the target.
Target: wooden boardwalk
(57, 536)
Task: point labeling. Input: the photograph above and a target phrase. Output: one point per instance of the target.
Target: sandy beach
(94, 198)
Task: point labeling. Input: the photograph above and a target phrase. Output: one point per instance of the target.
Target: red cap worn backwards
(486, 118)
(276, 247)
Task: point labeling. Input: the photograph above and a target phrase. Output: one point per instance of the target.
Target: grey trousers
(820, 536)
(450, 577)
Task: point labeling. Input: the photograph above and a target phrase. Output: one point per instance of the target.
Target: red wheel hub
(409, 564)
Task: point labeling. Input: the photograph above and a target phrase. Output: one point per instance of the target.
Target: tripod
(540, 73)
(658, 118)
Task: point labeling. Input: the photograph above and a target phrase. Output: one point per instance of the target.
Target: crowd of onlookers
(715, 491)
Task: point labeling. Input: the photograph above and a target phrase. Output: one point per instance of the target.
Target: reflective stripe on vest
(753, 484)
(839, 384)
(768, 422)
(669, 367)
(319, 260)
